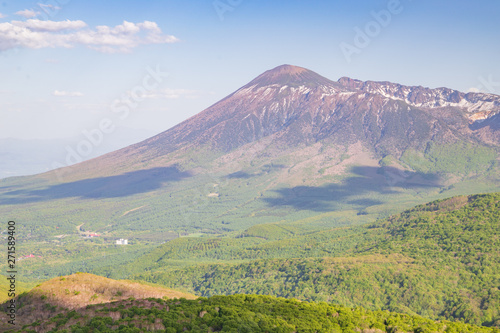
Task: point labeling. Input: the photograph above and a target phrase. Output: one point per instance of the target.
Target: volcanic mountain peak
(287, 70)
(292, 106)
(291, 76)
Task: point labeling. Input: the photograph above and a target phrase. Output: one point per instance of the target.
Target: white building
(122, 241)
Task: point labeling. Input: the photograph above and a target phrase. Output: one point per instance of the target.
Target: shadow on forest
(360, 190)
(267, 168)
(129, 183)
(240, 175)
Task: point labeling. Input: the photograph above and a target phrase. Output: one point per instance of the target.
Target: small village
(91, 234)
(30, 256)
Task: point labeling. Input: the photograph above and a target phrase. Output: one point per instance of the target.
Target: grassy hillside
(5, 286)
(440, 260)
(80, 290)
(240, 313)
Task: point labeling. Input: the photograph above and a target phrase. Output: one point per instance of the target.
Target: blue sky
(65, 64)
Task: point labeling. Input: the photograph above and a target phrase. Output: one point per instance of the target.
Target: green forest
(241, 313)
(440, 260)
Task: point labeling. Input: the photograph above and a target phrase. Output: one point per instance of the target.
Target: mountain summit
(290, 75)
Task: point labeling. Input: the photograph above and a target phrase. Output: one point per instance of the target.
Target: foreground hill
(79, 290)
(240, 313)
(439, 260)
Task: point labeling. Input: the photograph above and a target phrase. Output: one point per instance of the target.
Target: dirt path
(130, 211)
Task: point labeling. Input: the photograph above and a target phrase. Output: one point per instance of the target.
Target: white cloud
(59, 93)
(474, 90)
(2, 16)
(38, 34)
(27, 13)
(49, 26)
(52, 7)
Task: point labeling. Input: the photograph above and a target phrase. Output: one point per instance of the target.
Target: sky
(74, 69)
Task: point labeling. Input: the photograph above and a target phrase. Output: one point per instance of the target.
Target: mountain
(290, 106)
(299, 106)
